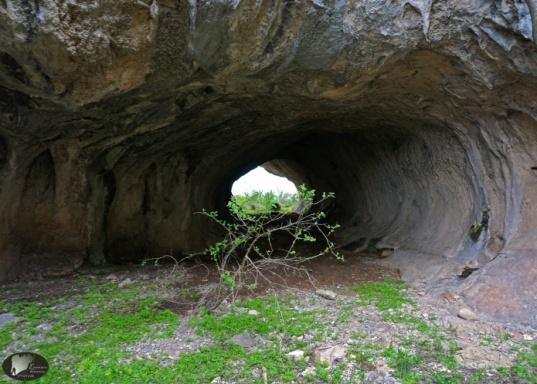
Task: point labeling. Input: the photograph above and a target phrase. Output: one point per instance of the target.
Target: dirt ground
(413, 341)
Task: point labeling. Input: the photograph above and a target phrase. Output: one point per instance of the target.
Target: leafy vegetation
(478, 227)
(252, 243)
(525, 369)
(88, 335)
(274, 315)
(386, 294)
(262, 203)
(86, 339)
(83, 342)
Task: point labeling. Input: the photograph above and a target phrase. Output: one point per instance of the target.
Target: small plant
(252, 244)
(478, 227)
(403, 363)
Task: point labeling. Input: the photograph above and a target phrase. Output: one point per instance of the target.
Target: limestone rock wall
(121, 119)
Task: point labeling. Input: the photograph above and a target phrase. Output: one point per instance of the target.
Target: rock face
(120, 119)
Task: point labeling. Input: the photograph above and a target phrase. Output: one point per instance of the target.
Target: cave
(419, 116)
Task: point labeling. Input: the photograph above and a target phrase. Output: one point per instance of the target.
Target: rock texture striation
(121, 118)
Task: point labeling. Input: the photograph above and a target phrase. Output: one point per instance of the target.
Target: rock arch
(419, 115)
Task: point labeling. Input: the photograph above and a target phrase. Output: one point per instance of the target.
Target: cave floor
(147, 325)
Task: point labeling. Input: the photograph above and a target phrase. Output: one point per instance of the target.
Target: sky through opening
(258, 179)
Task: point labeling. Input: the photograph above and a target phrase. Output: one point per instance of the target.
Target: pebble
(379, 377)
(326, 294)
(329, 355)
(246, 341)
(467, 314)
(296, 355)
(386, 252)
(310, 371)
(253, 312)
(125, 282)
(112, 277)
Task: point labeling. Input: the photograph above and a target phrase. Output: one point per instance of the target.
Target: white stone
(467, 314)
(253, 312)
(296, 355)
(327, 294)
(329, 355)
(112, 277)
(310, 371)
(125, 282)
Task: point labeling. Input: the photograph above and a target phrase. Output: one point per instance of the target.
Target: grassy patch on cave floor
(85, 339)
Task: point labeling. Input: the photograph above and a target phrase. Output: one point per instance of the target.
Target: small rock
(385, 252)
(379, 377)
(257, 372)
(253, 312)
(245, 341)
(296, 355)
(6, 318)
(528, 337)
(310, 371)
(448, 296)
(329, 355)
(112, 277)
(44, 328)
(467, 314)
(125, 282)
(217, 380)
(326, 294)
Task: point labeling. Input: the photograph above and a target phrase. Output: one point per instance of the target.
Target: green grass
(403, 318)
(384, 295)
(275, 316)
(89, 332)
(113, 318)
(109, 318)
(403, 364)
(389, 297)
(365, 354)
(258, 202)
(526, 367)
(432, 344)
(5, 335)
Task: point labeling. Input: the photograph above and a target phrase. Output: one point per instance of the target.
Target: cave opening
(391, 181)
(261, 192)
